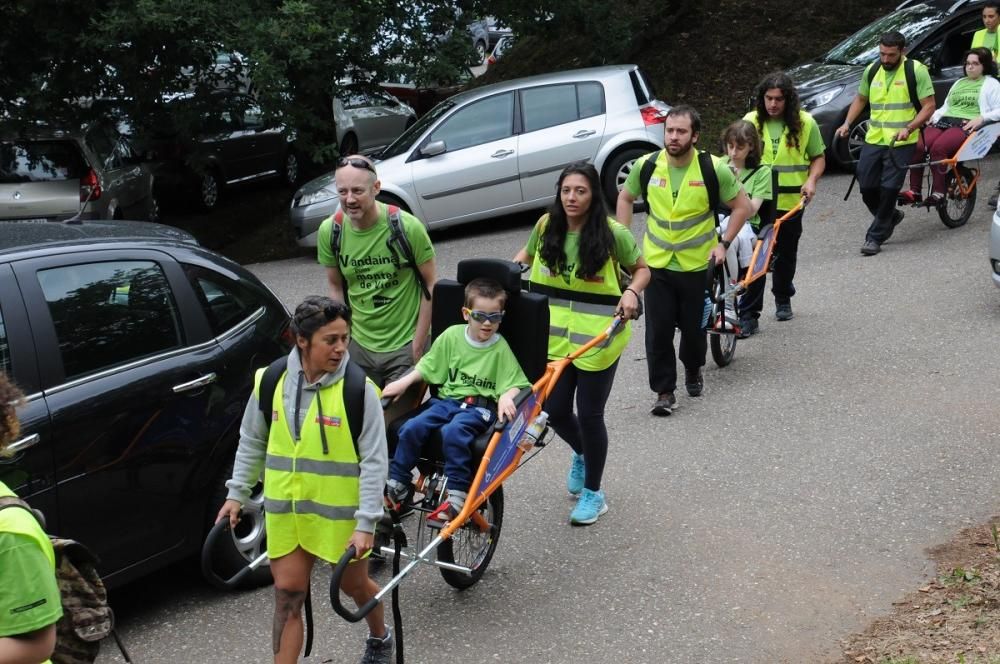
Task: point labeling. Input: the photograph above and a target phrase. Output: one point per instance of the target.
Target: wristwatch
(726, 243)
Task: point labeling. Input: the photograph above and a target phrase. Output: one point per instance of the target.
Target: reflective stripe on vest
(890, 106)
(790, 165)
(310, 498)
(683, 229)
(579, 310)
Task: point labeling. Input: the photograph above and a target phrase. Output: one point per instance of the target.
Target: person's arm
(396, 388)
(816, 167)
(857, 106)
(989, 100)
(31, 648)
(927, 106)
(428, 271)
(336, 282)
(740, 206)
(524, 257)
(373, 463)
(505, 404)
(249, 461)
(623, 208)
(628, 304)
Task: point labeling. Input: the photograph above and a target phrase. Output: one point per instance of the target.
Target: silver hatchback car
(499, 149)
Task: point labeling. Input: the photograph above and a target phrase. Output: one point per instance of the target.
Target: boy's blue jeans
(459, 427)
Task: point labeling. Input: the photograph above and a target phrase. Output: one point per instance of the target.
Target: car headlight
(318, 196)
(822, 98)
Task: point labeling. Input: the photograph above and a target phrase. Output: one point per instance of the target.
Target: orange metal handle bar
(751, 277)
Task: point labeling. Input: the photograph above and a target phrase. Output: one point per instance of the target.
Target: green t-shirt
(990, 41)
(729, 186)
(384, 297)
(29, 594)
(963, 98)
(925, 87)
(463, 370)
(757, 185)
(625, 249)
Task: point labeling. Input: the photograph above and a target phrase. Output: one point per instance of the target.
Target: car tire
(247, 541)
(389, 199)
(291, 168)
(616, 170)
(153, 214)
(349, 145)
(480, 53)
(209, 190)
(845, 152)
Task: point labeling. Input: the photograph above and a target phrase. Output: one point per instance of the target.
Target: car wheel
(153, 209)
(209, 190)
(244, 543)
(616, 172)
(846, 152)
(291, 168)
(349, 145)
(480, 53)
(388, 199)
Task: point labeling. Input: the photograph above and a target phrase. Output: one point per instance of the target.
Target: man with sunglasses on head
(366, 266)
(479, 378)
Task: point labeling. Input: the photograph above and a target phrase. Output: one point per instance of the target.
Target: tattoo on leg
(287, 603)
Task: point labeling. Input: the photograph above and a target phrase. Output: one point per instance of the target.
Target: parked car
(422, 98)
(479, 31)
(136, 349)
(89, 173)
(474, 156)
(937, 33)
(224, 144)
(495, 30)
(995, 248)
(369, 121)
(503, 45)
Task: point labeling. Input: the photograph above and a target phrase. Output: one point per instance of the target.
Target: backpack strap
(646, 174)
(354, 394)
(911, 83)
(872, 71)
(398, 244)
(710, 178)
(336, 233)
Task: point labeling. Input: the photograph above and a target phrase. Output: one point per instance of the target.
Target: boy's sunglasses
(482, 316)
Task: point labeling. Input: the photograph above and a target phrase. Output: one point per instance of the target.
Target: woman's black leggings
(584, 430)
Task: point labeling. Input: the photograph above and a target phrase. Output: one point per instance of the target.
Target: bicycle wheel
(723, 344)
(471, 548)
(955, 209)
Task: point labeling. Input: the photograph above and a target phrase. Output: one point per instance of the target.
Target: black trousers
(786, 253)
(674, 300)
(881, 172)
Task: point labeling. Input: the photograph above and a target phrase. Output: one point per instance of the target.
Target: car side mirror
(433, 149)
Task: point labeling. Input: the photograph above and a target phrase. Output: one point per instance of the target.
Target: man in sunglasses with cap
(479, 378)
(379, 259)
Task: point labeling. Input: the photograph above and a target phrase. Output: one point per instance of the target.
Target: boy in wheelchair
(478, 375)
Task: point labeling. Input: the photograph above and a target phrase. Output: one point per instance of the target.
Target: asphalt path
(762, 522)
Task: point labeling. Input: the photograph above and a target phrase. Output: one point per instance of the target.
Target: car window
(4, 348)
(226, 301)
(548, 106)
(949, 50)
(480, 122)
(861, 48)
(590, 99)
(40, 161)
(252, 117)
(107, 314)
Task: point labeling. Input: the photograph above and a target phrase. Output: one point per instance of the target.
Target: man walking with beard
(680, 187)
(901, 95)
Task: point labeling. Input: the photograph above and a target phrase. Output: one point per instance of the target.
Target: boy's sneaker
(399, 497)
(590, 506)
(665, 404)
(379, 651)
(748, 328)
(694, 382)
(440, 517)
(574, 480)
(783, 311)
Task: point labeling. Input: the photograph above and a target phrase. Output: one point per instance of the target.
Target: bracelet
(633, 293)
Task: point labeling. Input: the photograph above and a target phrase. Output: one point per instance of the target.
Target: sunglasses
(355, 162)
(482, 316)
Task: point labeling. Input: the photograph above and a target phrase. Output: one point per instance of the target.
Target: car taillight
(90, 187)
(288, 336)
(652, 115)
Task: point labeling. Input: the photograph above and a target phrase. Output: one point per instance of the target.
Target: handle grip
(208, 570)
(386, 402)
(338, 573)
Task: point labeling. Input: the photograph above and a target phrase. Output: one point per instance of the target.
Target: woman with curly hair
(575, 252)
(29, 596)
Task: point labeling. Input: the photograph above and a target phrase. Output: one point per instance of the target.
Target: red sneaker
(910, 197)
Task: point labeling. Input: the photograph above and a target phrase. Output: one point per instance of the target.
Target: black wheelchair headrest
(506, 272)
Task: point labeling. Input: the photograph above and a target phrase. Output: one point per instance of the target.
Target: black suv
(938, 32)
(136, 350)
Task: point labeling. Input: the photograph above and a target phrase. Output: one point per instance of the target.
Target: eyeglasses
(356, 163)
(482, 316)
(973, 63)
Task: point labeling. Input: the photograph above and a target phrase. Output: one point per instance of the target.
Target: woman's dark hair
(10, 397)
(985, 59)
(596, 240)
(790, 117)
(742, 132)
(315, 312)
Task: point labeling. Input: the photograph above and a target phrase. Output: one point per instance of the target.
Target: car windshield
(40, 161)
(861, 48)
(416, 130)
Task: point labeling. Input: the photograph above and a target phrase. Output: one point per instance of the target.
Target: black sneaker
(399, 497)
(378, 651)
(665, 404)
(993, 197)
(694, 382)
(748, 328)
(783, 311)
(870, 248)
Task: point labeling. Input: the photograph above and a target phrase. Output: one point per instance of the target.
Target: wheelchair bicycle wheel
(956, 209)
(471, 548)
(722, 343)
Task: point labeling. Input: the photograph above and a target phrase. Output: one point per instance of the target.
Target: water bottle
(706, 313)
(534, 432)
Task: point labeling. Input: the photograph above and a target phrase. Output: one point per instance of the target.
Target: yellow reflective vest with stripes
(979, 39)
(684, 228)
(890, 106)
(310, 493)
(580, 309)
(790, 166)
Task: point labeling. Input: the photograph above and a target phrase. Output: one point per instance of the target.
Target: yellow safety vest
(790, 166)
(684, 228)
(979, 38)
(890, 105)
(580, 310)
(310, 496)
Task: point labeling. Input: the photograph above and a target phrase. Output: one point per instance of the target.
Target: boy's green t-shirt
(463, 370)
(384, 297)
(626, 251)
(963, 98)
(29, 594)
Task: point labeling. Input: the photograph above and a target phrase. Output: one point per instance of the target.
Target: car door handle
(584, 133)
(499, 154)
(24, 443)
(196, 383)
